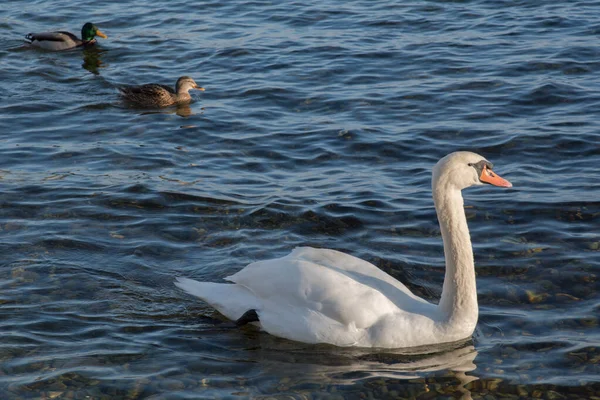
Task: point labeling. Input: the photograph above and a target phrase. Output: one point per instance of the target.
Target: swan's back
(313, 296)
(320, 269)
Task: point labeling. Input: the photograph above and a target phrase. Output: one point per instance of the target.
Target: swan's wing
(356, 270)
(315, 296)
(230, 300)
(278, 317)
(342, 288)
(359, 269)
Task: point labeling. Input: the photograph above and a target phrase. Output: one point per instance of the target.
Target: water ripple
(319, 126)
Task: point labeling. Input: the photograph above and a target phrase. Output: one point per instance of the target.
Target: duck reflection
(183, 110)
(408, 370)
(92, 59)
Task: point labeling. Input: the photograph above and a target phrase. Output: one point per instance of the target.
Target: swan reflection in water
(300, 365)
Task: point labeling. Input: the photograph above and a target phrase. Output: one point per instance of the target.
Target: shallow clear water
(319, 126)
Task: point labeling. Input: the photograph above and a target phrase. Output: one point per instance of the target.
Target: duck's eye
(470, 164)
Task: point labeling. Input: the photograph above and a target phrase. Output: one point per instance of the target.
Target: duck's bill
(489, 176)
(200, 88)
(102, 35)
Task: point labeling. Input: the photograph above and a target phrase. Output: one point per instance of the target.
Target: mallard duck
(61, 40)
(155, 95)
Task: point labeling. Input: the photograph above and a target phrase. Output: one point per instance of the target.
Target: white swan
(325, 296)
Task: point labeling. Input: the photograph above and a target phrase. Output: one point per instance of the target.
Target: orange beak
(489, 176)
(200, 88)
(102, 35)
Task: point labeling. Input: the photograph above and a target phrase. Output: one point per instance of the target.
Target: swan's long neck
(459, 294)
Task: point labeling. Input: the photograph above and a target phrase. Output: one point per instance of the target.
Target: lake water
(319, 126)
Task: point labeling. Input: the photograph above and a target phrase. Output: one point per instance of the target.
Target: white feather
(325, 296)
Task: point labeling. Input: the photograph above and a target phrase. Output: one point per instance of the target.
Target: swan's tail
(231, 300)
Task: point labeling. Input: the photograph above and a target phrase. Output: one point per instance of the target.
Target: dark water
(319, 126)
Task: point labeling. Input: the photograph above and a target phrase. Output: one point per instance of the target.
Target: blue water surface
(319, 126)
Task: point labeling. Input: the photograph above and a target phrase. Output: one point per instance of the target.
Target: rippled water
(319, 126)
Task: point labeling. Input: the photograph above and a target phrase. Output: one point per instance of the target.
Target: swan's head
(463, 169)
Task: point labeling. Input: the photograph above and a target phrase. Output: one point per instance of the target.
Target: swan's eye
(470, 164)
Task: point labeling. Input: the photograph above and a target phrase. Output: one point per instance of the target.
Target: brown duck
(155, 95)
